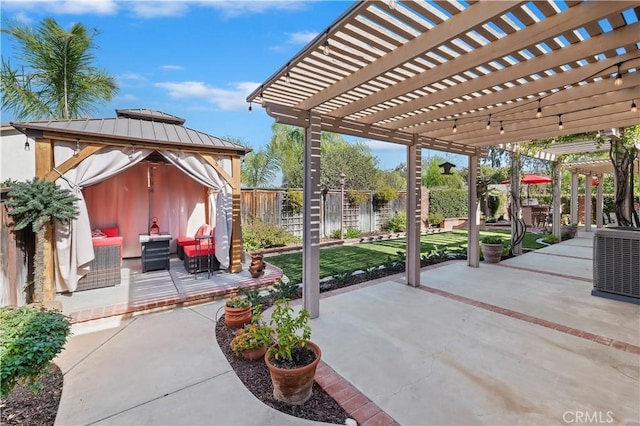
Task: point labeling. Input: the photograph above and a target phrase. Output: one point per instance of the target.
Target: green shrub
(259, 235)
(252, 295)
(448, 202)
(350, 232)
(435, 219)
(492, 239)
(29, 339)
(355, 198)
(497, 204)
(385, 194)
(292, 202)
(550, 238)
(396, 223)
(285, 289)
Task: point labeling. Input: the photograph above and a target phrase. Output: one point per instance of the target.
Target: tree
(259, 168)
(338, 156)
(39, 203)
(432, 176)
(57, 78)
(623, 153)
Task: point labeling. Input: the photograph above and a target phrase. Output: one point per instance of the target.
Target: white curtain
(198, 168)
(74, 249)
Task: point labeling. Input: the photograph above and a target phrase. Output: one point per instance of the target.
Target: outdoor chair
(104, 269)
(182, 242)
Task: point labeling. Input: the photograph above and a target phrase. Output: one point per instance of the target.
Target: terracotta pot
(254, 354)
(492, 252)
(237, 317)
(293, 386)
(257, 267)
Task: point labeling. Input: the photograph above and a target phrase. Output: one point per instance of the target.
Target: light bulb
(326, 49)
(501, 129)
(618, 81)
(539, 112)
(250, 107)
(455, 127)
(489, 122)
(634, 108)
(560, 125)
(287, 78)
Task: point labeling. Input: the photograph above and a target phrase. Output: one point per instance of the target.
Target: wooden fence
(272, 207)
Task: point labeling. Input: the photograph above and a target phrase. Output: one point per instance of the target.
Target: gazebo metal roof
(451, 74)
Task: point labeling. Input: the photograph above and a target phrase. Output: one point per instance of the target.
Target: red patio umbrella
(532, 180)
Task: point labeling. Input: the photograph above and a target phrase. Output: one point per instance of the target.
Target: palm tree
(259, 168)
(39, 203)
(57, 79)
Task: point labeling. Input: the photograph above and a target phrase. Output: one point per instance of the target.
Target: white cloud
(172, 67)
(226, 99)
(233, 8)
(301, 37)
(23, 18)
(383, 146)
(66, 7)
(158, 9)
(127, 97)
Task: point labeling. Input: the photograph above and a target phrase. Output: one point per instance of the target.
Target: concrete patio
(513, 343)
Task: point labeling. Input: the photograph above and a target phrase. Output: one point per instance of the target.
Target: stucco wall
(15, 162)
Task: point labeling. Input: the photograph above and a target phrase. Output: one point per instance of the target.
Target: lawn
(336, 260)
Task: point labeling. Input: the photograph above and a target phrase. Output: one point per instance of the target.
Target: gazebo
(454, 76)
(80, 153)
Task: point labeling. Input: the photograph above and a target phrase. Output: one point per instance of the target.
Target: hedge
(448, 202)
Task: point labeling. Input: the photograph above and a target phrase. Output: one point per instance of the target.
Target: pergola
(454, 76)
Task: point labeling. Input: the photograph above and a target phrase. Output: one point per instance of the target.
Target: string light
(77, 150)
(501, 128)
(455, 126)
(287, 76)
(560, 125)
(489, 122)
(250, 106)
(634, 108)
(27, 147)
(539, 112)
(618, 81)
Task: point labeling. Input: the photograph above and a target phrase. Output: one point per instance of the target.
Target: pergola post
(516, 209)
(414, 184)
(473, 230)
(600, 202)
(587, 204)
(556, 206)
(235, 249)
(574, 197)
(311, 231)
(44, 165)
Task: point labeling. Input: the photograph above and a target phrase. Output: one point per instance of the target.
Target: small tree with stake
(39, 203)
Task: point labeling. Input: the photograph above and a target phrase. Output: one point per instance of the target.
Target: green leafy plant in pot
(492, 248)
(237, 312)
(251, 341)
(293, 359)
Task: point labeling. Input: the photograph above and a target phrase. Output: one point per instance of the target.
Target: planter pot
(237, 317)
(254, 354)
(293, 386)
(568, 231)
(257, 267)
(492, 252)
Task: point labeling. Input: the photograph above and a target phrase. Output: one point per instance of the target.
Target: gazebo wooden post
(600, 201)
(557, 201)
(235, 249)
(44, 165)
(574, 197)
(473, 220)
(414, 185)
(311, 217)
(587, 204)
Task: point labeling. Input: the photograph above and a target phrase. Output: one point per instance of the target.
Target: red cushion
(191, 251)
(109, 241)
(185, 241)
(111, 232)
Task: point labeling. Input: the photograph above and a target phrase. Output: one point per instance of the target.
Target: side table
(155, 251)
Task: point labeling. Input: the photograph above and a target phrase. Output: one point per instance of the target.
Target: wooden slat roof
(142, 127)
(413, 70)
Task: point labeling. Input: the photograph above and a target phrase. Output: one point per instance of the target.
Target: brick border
(355, 403)
(606, 341)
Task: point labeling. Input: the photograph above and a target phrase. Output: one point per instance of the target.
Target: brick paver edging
(354, 402)
(606, 341)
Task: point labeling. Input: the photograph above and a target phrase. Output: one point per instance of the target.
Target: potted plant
(293, 359)
(251, 341)
(237, 312)
(492, 248)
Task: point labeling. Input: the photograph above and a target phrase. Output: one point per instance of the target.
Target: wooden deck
(156, 290)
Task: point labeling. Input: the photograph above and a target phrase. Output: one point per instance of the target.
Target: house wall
(15, 162)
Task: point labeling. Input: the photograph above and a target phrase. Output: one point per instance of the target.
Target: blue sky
(196, 59)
